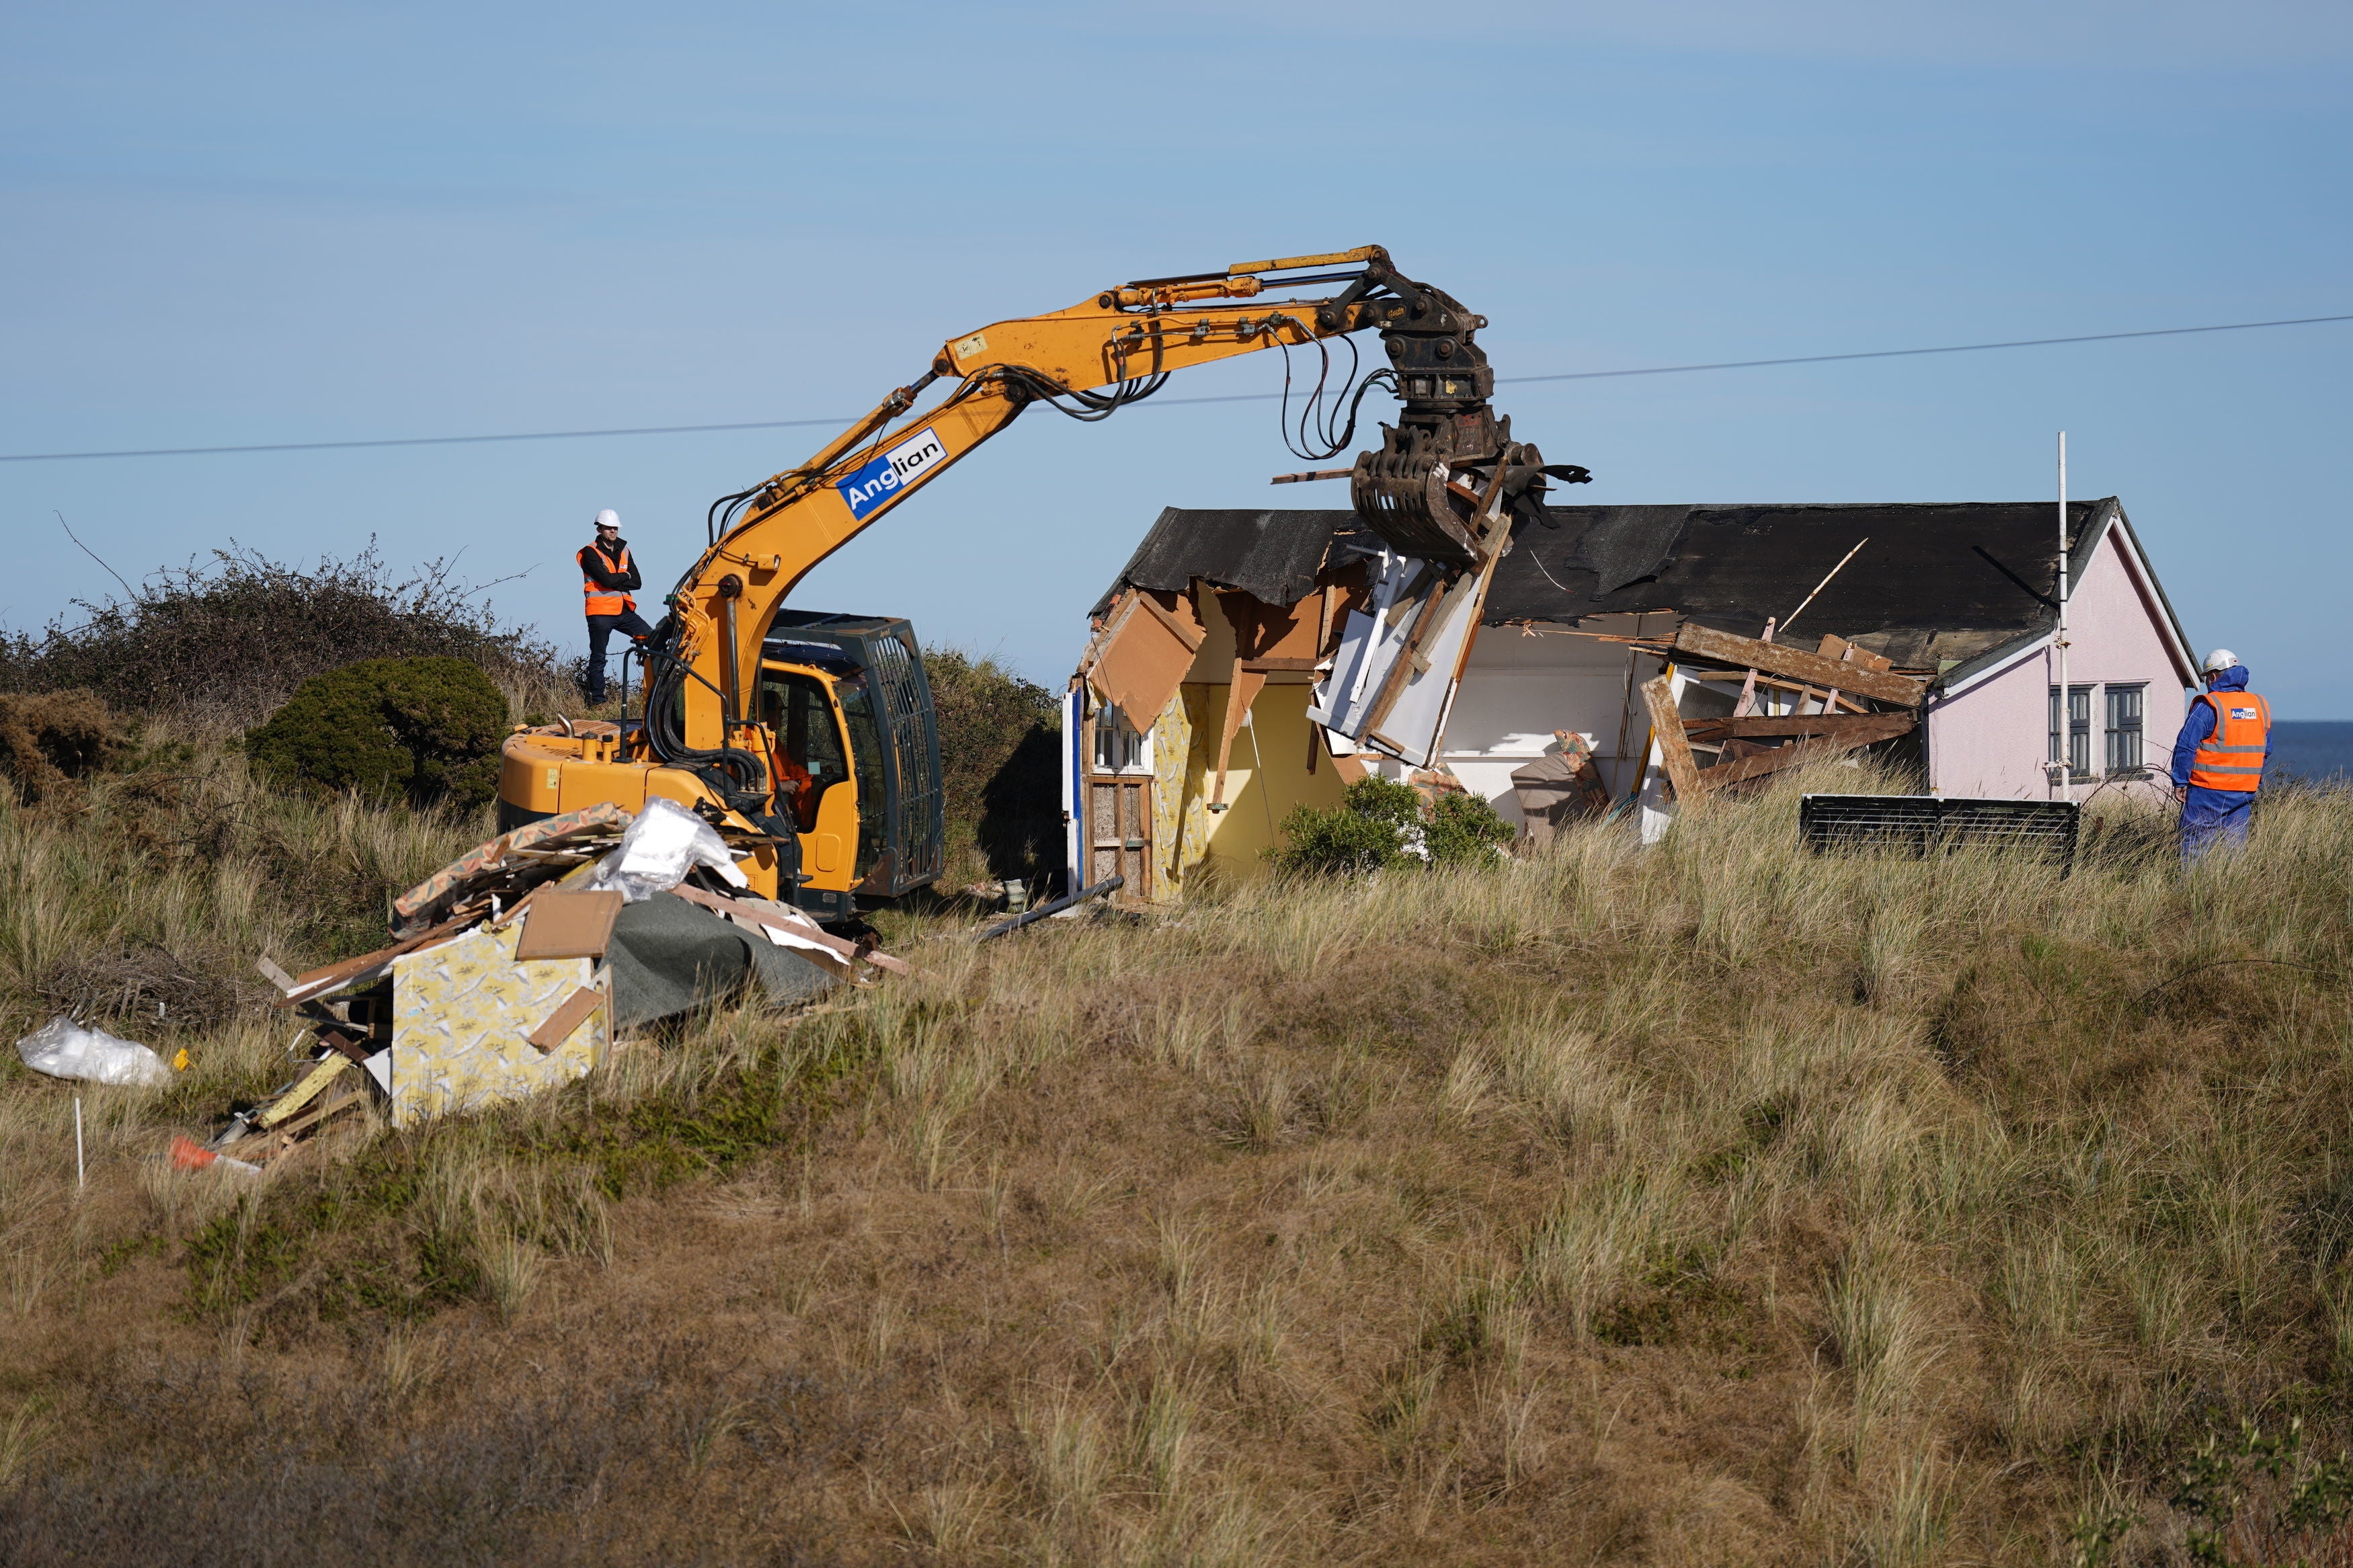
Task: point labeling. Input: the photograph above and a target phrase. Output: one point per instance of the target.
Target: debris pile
(1858, 700)
(512, 969)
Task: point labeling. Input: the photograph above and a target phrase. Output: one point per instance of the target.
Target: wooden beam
(1667, 730)
(560, 1025)
(1243, 684)
(1797, 664)
(1741, 770)
(1851, 704)
(1863, 727)
(335, 976)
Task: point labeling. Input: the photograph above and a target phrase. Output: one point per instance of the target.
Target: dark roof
(1938, 585)
(1272, 556)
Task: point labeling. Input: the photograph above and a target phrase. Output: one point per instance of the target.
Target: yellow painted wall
(1266, 775)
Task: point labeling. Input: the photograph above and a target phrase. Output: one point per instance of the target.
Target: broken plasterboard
(1143, 653)
(1420, 621)
(462, 1018)
(561, 924)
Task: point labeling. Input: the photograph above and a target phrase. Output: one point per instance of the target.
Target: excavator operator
(606, 577)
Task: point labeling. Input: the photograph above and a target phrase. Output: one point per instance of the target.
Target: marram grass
(1712, 1203)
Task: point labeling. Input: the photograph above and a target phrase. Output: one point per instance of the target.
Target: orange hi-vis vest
(2233, 757)
(601, 600)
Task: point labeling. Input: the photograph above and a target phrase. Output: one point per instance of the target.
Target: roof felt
(1935, 583)
(1272, 556)
(1937, 586)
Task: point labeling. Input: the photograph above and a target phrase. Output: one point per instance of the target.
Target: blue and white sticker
(908, 463)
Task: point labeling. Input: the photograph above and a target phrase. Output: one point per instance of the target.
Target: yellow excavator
(812, 734)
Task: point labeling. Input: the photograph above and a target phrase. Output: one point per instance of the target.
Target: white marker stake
(82, 1171)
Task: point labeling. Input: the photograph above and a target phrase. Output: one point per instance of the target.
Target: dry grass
(1711, 1204)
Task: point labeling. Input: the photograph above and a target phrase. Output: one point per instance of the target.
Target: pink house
(2129, 670)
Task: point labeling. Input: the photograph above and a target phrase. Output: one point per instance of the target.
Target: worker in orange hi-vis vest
(2218, 763)
(606, 577)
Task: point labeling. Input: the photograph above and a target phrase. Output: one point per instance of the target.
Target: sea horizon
(2311, 751)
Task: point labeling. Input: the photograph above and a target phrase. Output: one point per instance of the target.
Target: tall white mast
(2065, 767)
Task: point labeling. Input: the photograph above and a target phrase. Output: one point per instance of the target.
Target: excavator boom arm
(1087, 360)
(1123, 339)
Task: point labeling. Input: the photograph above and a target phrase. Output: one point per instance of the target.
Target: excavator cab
(857, 751)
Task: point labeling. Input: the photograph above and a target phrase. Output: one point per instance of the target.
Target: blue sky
(254, 224)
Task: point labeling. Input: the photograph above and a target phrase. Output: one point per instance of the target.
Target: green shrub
(1465, 830)
(427, 729)
(1379, 824)
(230, 638)
(1001, 768)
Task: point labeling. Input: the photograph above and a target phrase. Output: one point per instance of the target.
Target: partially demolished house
(1624, 656)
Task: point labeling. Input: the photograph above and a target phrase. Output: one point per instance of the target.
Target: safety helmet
(609, 518)
(2221, 658)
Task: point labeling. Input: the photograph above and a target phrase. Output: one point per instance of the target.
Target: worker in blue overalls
(2218, 763)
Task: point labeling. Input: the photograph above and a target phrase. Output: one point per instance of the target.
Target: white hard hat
(2221, 658)
(609, 518)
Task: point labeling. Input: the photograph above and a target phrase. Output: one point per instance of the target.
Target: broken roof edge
(1124, 580)
(1995, 661)
(1274, 554)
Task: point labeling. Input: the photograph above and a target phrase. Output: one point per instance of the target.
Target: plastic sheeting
(661, 847)
(63, 1048)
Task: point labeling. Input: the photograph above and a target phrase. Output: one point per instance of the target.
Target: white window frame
(1120, 749)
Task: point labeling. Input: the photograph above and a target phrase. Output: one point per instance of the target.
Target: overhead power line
(1233, 397)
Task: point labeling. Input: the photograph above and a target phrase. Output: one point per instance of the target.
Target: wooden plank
(1726, 677)
(560, 1024)
(1242, 683)
(342, 1045)
(1745, 768)
(1667, 730)
(1143, 659)
(335, 976)
(1845, 652)
(303, 1092)
(1797, 664)
(284, 1134)
(1867, 727)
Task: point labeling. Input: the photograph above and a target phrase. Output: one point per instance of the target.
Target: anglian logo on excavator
(908, 463)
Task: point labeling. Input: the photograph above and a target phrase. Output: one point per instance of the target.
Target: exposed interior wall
(1266, 777)
(1523, 683)
(1202, 832)
(1993, 739)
